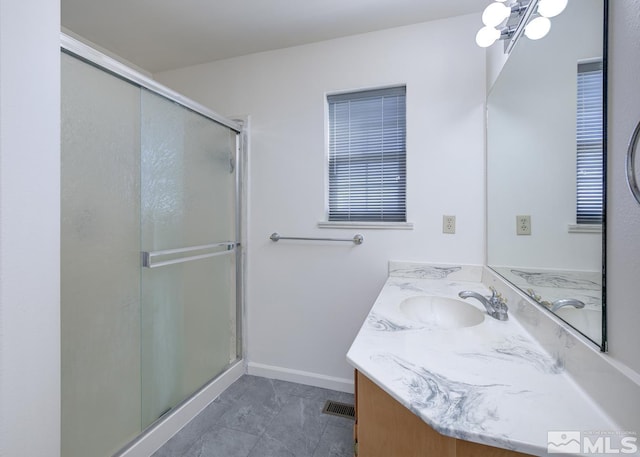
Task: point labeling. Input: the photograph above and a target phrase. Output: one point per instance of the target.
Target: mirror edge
(604, 347)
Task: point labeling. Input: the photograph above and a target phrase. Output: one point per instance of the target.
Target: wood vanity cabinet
(385, 428)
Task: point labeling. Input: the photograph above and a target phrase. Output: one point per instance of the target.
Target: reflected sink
(441, 312)
(589, 321)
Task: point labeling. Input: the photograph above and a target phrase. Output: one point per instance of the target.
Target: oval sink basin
(441, 312)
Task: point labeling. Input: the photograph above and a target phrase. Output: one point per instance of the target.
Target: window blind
(589, 136)
(367, 156)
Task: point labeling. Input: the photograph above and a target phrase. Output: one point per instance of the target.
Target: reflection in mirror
(545, 152)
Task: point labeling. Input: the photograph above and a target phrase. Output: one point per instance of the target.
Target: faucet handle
(496, 296)
(497, 300)
(499, 304)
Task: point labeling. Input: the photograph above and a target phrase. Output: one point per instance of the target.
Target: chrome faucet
(495, 305)
(561, 303)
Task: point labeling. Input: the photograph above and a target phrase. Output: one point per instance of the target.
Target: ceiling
(159, 35)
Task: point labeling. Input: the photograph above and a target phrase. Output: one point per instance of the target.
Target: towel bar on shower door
(357, 238)
(148, 258)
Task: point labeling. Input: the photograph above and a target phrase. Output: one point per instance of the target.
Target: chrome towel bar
(148, 258)
(357, 238)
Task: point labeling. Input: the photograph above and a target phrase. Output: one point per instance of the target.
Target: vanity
(386, 428)
(435, 374)
(453, 385)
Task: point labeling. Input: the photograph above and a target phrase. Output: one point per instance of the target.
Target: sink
(441, 312)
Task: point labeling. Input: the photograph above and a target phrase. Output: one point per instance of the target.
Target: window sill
(585, 228)
(366, 225)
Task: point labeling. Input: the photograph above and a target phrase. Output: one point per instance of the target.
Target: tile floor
(260, 417)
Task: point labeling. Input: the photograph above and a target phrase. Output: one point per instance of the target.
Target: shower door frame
(156, 434)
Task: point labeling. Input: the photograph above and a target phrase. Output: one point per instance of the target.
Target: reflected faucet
(495, 305)
(561, 303)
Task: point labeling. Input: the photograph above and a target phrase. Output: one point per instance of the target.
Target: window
(367, 156)
(589, 138)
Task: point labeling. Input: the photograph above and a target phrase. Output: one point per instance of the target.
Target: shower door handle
(150, 258)
(631, 162)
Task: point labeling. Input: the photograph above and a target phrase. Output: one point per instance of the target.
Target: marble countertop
(491, 383)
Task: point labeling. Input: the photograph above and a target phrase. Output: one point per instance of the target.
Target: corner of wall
(30, 228)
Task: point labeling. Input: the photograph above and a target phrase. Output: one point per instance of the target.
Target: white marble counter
(491, 383)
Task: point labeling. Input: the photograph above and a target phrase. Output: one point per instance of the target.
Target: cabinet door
(386, 428)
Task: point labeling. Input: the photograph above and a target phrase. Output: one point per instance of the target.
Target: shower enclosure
(150, 254)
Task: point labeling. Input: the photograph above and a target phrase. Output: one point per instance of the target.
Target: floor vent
(336, 408)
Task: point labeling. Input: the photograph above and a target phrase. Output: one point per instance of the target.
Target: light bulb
(486, 36)
(551, 8)
(495, 13)
(537, 28)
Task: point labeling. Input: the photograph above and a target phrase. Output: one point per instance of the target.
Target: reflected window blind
(589, 138)
(367, 156)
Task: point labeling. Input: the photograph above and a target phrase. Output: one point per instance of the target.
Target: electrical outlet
(449, 224)
(523, 225)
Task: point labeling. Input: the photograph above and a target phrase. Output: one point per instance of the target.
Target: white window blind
(589, 138)
(367, 156)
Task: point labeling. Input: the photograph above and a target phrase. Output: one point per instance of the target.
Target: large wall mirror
(546, 168)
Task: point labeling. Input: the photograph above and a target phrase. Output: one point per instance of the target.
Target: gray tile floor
(260, 417)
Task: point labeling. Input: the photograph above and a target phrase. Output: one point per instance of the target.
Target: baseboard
(151, 440)
(299, 376)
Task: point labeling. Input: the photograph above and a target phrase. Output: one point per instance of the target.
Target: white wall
(307, 300)
(623, 213)
(496, 59)
(532, 147)
(29, 228)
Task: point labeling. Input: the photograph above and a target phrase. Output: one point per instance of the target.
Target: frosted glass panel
(100, 261)
(188, 177)
(188, 199)
(189, 310)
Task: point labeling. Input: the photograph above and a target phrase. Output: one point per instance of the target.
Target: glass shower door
(100, 261)
(188, 239)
